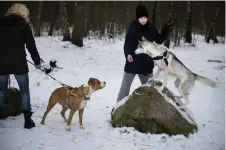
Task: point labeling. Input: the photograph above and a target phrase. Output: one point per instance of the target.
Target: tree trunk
(204, 33)
(188, 32)
(111, 33)
(79, 21)
(167, 42)
(87, 20)
(50, 33)
(128, 8)
(104, 19)
(153, 19)
(66, 31)
(176, 33)
(38, 23)
(212, 32)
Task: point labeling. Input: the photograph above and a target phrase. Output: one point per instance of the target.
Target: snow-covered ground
(105, 60)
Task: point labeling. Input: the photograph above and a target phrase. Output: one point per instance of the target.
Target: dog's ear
(140, 44)
(143, 38)
(91, 81)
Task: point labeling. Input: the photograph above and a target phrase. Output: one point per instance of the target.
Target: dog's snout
(103, 84)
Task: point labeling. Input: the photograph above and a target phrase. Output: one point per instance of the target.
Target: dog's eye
(140, 46)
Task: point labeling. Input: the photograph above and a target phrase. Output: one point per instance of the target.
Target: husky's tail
(206, 81)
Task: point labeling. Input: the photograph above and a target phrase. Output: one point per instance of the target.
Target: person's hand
(38, 66)
(129, 58)
(168, 26)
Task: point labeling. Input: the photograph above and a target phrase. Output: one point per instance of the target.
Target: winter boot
(0, 114)
(28, 121)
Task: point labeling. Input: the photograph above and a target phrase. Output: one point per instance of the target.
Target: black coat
(15, 32)
(142, 64)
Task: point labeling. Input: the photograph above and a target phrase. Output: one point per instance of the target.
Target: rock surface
(150, 110)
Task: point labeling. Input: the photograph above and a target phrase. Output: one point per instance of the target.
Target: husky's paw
(161, 88)
(67, 128)
(182, 106)
(178, 97)
(150, 79)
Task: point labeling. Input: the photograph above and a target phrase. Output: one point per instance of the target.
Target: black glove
(167, 27)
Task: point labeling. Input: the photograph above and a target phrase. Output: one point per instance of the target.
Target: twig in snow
(217, 61)
(220, 67)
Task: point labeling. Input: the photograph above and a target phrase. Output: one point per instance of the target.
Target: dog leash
(64, 85)
(61, 83)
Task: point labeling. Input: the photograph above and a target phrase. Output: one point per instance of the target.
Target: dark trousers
(23, 82)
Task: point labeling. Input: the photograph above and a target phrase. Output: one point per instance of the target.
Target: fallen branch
(218, 61)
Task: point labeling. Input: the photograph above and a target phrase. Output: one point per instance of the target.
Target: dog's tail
(206, 81)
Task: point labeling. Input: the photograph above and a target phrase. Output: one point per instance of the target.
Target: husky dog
(167, 62)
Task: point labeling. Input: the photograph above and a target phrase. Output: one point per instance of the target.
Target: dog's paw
(149, 79)
(161, 88)
(178, 97)
(82, 127)
(68, 128)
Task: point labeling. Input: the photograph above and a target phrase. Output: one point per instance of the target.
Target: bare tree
(111, 31)
(170, 7)
(104, 19)
(153, 18)
(188, 32)
(176, 28)
(87, 18)
(128, 11)
(115, 16)
(78, 28)
(38, 24)
(50, 33)
(66, 31)
(203, 20)
(212, 31)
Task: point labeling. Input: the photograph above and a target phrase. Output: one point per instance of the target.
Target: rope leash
(43, 70)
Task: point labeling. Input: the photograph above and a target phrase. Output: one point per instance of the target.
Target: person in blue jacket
(142, 64)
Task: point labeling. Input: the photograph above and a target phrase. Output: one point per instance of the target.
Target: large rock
(12, 104)
(151, 111)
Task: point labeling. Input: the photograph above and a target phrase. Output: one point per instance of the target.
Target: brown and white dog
(74, 99)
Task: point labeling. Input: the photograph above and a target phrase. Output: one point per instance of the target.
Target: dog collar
(86, 98)
(162, 57)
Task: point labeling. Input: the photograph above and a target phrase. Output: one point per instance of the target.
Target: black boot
(0, 114)
(28, 121)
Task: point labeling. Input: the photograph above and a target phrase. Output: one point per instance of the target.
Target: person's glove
(167, 27)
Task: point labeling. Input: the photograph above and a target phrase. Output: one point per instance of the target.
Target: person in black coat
(15, 33)
(142, 64)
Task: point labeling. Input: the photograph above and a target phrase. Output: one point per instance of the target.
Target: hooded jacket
(15, 33)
